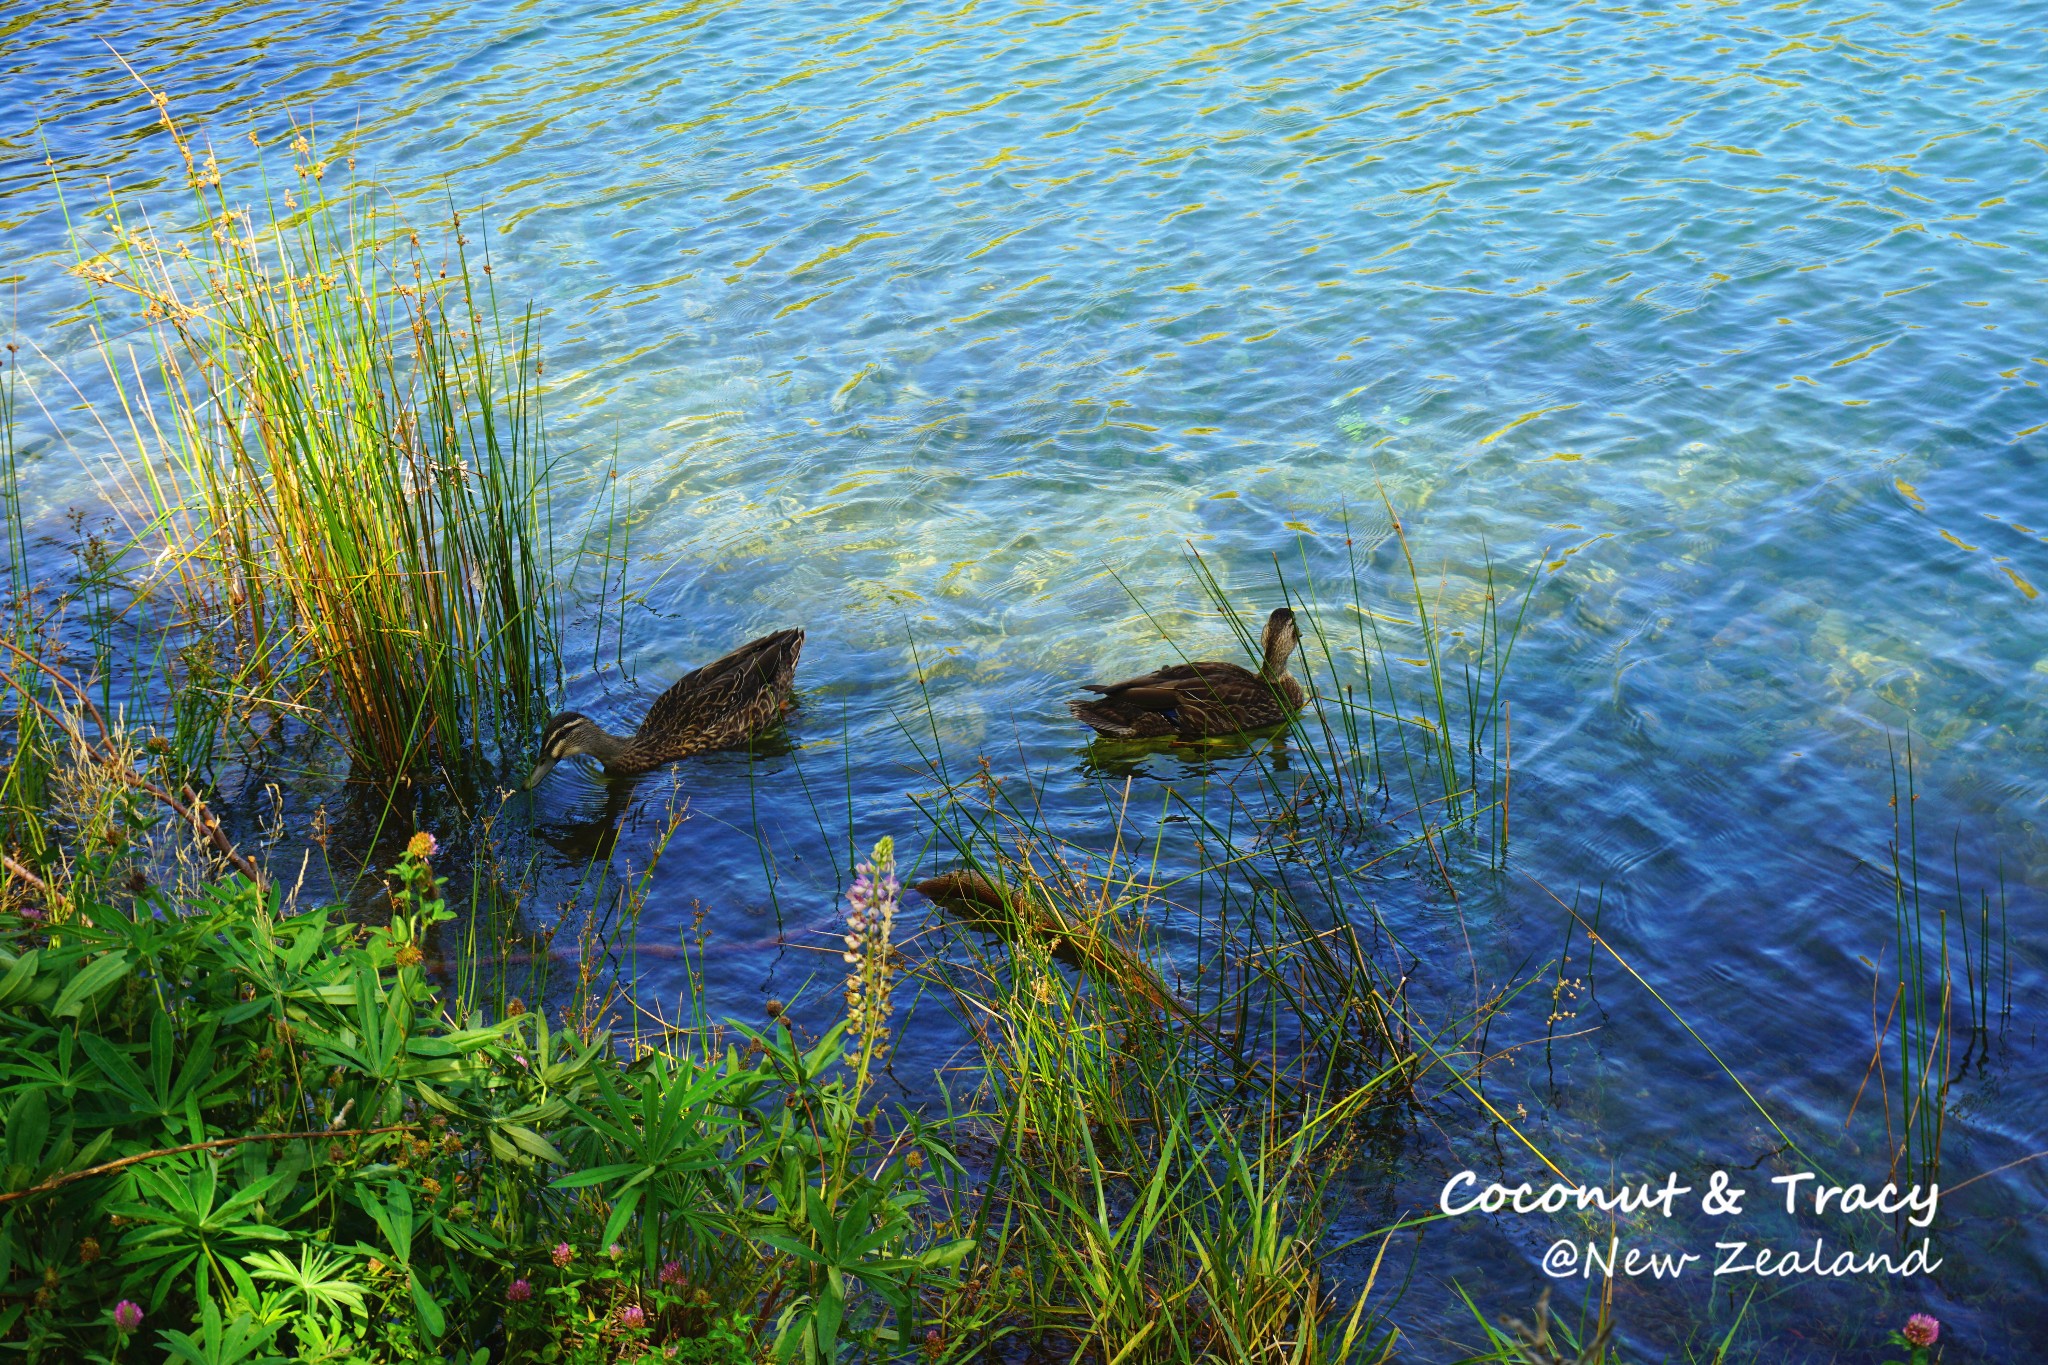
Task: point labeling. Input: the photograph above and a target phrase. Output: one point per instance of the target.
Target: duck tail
(775, 658)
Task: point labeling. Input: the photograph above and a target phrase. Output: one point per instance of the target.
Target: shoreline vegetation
(244, 1127)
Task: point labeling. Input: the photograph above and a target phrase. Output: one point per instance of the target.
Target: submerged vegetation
(243, 1124)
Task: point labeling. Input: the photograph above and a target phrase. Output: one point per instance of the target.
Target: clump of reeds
(1431, 744)
(1921, 1019)
(339, 440)
(101, 821)
(1162, 1161)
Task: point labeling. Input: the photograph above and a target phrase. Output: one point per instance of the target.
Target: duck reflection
(589, 830)
(1177, 760)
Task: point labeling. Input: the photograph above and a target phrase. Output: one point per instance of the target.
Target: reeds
(1160, 1179)
(1167, 1131)
(337, 442)
(1924, 1014)
(1410, 703)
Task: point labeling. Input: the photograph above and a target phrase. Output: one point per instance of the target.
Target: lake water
(942, 330)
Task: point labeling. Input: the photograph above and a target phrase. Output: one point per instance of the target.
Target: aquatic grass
(339, 442)
(31, 754)
(1161, 1212)
(1341, 736)
(1548, 1339)
(13, 530)
(1927, 996)
(1162, 1166)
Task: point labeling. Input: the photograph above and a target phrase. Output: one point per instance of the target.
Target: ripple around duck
(913, 326)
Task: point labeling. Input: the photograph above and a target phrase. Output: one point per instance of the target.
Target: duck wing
(1192, 701)
(1118, 719)
(1169, 688)
(730, 698)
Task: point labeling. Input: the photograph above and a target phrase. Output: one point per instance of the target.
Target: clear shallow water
(932, 328)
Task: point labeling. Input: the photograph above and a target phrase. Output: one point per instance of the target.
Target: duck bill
(541, 770)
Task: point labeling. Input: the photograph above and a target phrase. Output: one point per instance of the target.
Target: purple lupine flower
(519, 1291)
(872, 904)
(562, 1254)
(128, 1315)
(1922, 1329)
(632, 1317)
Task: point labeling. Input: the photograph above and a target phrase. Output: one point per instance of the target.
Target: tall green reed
(1929, 1003)
(12, 528)
(337, 438)
(31, 753)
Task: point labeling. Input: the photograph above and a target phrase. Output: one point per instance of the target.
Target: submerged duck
(1200, 700)
(722, 704)
(1014, 914)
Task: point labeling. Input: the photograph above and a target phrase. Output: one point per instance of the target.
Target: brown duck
(1200, 700)
(720, 705)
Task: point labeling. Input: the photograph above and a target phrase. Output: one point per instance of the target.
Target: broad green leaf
(597, 1175)
(21, 974)
(102, 972)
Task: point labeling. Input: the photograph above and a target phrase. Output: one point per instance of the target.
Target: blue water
(942, 331)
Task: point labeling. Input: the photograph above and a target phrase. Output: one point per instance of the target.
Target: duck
(1010, 911)
(722, 704)
(1201, 700)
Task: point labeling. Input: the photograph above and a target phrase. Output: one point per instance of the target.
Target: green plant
(842, 1203)
(352, 471)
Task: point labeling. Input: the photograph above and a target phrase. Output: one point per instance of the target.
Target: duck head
(567, 735)
(1279, 639)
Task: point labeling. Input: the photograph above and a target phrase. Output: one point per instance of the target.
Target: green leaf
(21, 973)
(431, 1316)
(102, 972)
(597, 1175)
(534, 1144)
(118, 1071)
(951, 1254)
(28, 1126)
(621, 1213)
